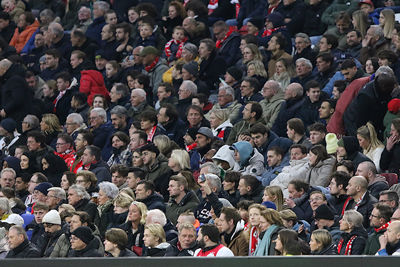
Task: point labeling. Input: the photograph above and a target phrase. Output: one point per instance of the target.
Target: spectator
(321, 243)
(80, 199)
(376, 183)
(389, 242)
(185, 244)
(337, 189)
(20, 247)
(353, 231)
(83, 243)
(208, 237)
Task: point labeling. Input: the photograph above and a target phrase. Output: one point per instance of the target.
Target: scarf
(269, 32)
(150, 135)
(263, 248)
(237, 7)
(383, 227)
(253, 240)
(219, 43)
(191, 147)
(349, 244)
(152, 65)
(180, 44)
(212, 5)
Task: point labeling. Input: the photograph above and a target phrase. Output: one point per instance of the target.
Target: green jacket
(373, 245)
(271, 108)
(159, 174)
(330, 14)
(188, 203)
(239, 128)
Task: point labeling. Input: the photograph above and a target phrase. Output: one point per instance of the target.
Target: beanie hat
(368, 2)
(340, 142)
(150, 147)
(235, 73)
(258, 22)
(8, 124)
(42, 187)
(192, 132)
(149, 50)
(84, 233)
(191, 48)
(331, 143)
(276, 18)
(192, 67)
(245, 150)
(52, 217)
(324, 212)
(269, 205)
(207, 132)
(394, 105)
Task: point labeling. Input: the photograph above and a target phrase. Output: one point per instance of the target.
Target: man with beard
(53, 230)
(210, 244)
(233, 236)
(337, 188)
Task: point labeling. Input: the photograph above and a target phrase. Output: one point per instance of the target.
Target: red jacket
(336, 124)
(91, 84)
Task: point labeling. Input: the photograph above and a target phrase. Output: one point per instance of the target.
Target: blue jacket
(94, 30)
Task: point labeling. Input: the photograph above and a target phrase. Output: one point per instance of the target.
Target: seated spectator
(83, 243)
(390, 157)
(296, 132)
(157, 216)
(250, 188)
(185, 244)
(317, 134)
(299, 193)
(227, 42)
(26, 26)
(92, 161)
(326, 110)
(220, 124)
(115, 244)
(303, 48)
(348, 149)
(276, 162)
(121, 151)
(325, 219)
(273, 99)
(249, 91)
(353, 233)
(389, 242)
(277, 46)
(145, 193)
(100, 129)
(390, 198)
(337, 189)
(233, 234)
(20, 246)
(310, 108)
(210, 237)
(372, 45)
(321, 243)
(321, 165)
(80, 199)
(376, 183)
(353, 42)
(326, 67)
(248, 159)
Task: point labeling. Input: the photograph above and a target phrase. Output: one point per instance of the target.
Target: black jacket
(353, 151)
(25, 250)
(358, 244)
(289, 109)
(134, 239)
(294, 11)
(230, 50)
(307, 53)
(124, 253)
(101, 170)
(329, 250)
(390, 160)
(365, 207)
(91, 250)
(313, 25)
(173, 249)
(256, 195)
(337, 203)
(175, 131)
(211, 69)
(89, 207)
(154, 201)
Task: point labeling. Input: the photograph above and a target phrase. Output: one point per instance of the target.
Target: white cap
(14, 219)
(52, 217)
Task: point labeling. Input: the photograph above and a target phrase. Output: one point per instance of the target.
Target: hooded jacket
(251, 161)
(320, 174)
(19, 39)
(188, 203)
(91, 84)
(353, 153)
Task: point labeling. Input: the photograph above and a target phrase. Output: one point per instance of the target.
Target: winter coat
(375, 156)
(188, 203)
(270, 173)
(329, 250)
(313, 25)
(93, 31)
(307, 53)
(271, 108)
(303, 209)
(337, 203)
(154, 201)
(320, 175)
(123, 254)
(378, 185)
(358, 244)
(135, 240)
(176, 250)
(101, 170)
(373, 244)
(19, 39)
(330, 14)
(309, 112)
(223, 130)
(91, 84)
(175, 130)
(295, 11)
(251, 9)
(158, 251)
(52, 240)
(230, 50)
(365, 207)
(159, 174)
(289, 109)
(211, 69)
(239, 243)
(256, 195)
(89, 251)
(135, 112)
(89, 207)
(156, 74)
(372, 51)
(63, 106)
(24, 250)
(390, 160)
(254, 167)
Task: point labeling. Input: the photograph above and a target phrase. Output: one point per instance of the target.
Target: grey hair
(214, 180)
(156, 216)
(120, 111)
(378, 31)
(47, 13)
(304, 36)
(8, 170)
(32, 120)
(102, 5)
(190, 86)
(56, 28)
(228, 90)
(110, 189)
(80, 191)
(20, 230)
(59, 192)
(100, 112)
(5, 63)
(121, 89)
(140, 92)
(192, 49)
(76, 118)
(84, 9)
(384, 69)
(354, 217)
(212, 168)
(5, 205)
(275, 86)
(305, 61)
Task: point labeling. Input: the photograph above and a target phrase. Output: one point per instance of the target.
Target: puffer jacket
(320, 174)
(254, 167)
(20, 39)
(91, 84)
(329, 250)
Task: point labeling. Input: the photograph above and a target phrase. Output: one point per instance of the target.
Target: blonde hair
(276, 191)
(323, 237)
(272, 217)
(123, 200)
(255, 51)
(157, 231)
(89, 176)
(362, 22)
(221, 114)
(389, 23)
(181, 157)
(259, 68)
(52, 121)
(368, 132)
(143, 211)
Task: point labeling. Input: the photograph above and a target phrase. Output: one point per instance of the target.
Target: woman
(286, 238)
(230, 185)
(321, 166)
(121, 208)
(284, 72)
(270, 224)
(107, 192)
(53, 167)
(28, 163)
(274, 194)
(248, 159)
(256, 69)
(254, 226)
(250, 52)
(386, 22)
(121, 152)
(390, 158)
(148, 124)
(115, 244)
(137, 160)
(134, 227)
(49, 95)
(360, 22)
(179, 160)
(369, 142)
(165, 145)
(176, 14)
(113, 74)
(354, 236)
(321, 243)
(371, 65)
(50, 126)
(220, 124)
(154, 240)
(88, 180)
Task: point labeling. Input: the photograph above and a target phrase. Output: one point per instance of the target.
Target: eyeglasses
(93, 118)
(315, 199)
(47, 225)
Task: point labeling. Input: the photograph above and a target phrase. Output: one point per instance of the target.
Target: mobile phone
(202, 178)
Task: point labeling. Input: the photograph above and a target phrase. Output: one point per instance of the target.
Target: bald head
(360, 181)
(271, 88)
(293, 90)
(367, 169)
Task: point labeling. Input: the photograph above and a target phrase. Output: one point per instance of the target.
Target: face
(254, 217)
(76, 243)
(109, 246)
(251, 29)
(273, 158)
(364, 143)
(278, 244)
(272, 44)
(87, 158)
(186, 238)
(302, 69)
(393, 131)
(14, 239)
(313, 158)
(33, 182)
(228, 185)
(245, 89)
(45, 164)
(117, 121)
(75, 61)
(242, 187)
(352, 39)
(316, 200)
(293, 193)
(316, 137)
(39, 214)
(162, 93)
(134, 214)
(343, 224)
(148, 157)
(259, 139)
(172, 13)
(391, 234)
(334, 189)
(314, 245)
(136, 99)
(300, 44)
(51, 62)
(247, 55)
(132, 15)
(32, 144)
(342, 26)
(140, 192)
(132, 181)
(323, 45)
(183, 93)
(106, 33)
(73, 197)
(290, 132)
(146, 31)
(7, 179)
(314, 94)
(118, 179)
(194, 117)
(110, 71)
(24, 163)
(64, 182)
(95, 120)
(251, 70)
(20, 185)
(100, 63)
(137, 160)
(149, 239)
(214, 121)
(120, 34)
(325, 111)
(351, 188)
(201, 140)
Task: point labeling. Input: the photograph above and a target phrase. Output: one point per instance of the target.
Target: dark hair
(297, 125)
(121, 89)
(66, 137)
(83, 216)
(81, 98)
(348, 64)
(327, 57)
(29, 17)
(281, 40)
(244, 204)
(231, 214)
(168, 87)
(385, 211)
(348, 164)
(320, 152)
(389, 55)
(300, 185)
(125, 26)
(374, 61)
(78, 33)
(259, 128)
(139, 173)
(71, 177)
(94, 151)
(341, 178)
(302, 148)
(4, 15)
(149, 8)
(211, 231)
(251, 181)
(197, 108)
(340, 85)
(392, 196)
(170, 111)
(331, 40)
(142, 135)
(331, 102)
(202, 98)
(312, 84)
(256, 107)
(318, 127)
(87, 136)
(250, 39)
(254, 83)
(122, 136)
(198, 7)
(233, 177)
(149, 115)
(118, 237)
(120, 168)
(277, 150)
(143, 79)
(287, 236)
(53, 52)
(65, 76)
(39, 137)
(147, 186)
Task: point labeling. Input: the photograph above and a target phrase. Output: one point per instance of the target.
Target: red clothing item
(91, 84)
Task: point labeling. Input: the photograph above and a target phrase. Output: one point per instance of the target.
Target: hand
(204, 186)
(391, 141)
(120, 48)
(290, 203)
(210, 154)
(383, 241)
(301, 228)
(3, 113)
(243, 137)
(366, 41)
(287, 20)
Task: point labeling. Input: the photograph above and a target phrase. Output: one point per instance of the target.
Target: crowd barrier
(289, 261)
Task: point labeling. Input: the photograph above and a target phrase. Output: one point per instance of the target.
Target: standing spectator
(94, 29)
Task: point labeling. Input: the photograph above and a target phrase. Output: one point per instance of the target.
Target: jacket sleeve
(215, 203)
(386, 158)
(358, 246)
(17, 98)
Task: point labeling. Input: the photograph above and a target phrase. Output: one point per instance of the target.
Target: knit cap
(331, 143)
(324, 212)
(42, 187)
(52, 217)
(84, 233)
(192, 67)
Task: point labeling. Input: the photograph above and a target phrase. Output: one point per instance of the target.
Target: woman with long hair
(50, 126)
(274, 194)
(284, 72)
(386, 22)
(287, 243)
(254, 226)
(369, 142)
(256, 69)
(220, 123)
(179, 160)
(53, 167)
(360, 22)
(321, 166)
(321, 243)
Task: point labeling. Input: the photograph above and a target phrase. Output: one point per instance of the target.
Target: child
(146, 38)
(173, 49)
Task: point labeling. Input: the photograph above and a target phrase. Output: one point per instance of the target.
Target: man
(53, 230)
(289, 109)
(353, 42)
(36, 143)
(190, 72)
(109, 43)
(94, 29)
(119, 95)
(20, 247)
(91, 160)
(203, 141)
(124, 41)
(298, 167)
(303, 72)
(187, 90)
(21, 186)
(298, 200)
(119, 117)
(35, 83)
(326, 110)
(271, 104)
(40, 192)
(157, 168)
(233, 78)
(312, 102)
(349, 148)
(296, 132)
(390, 198)
(135, 175)
(275, 163)
(390, 241)
(185, 244)
(181, 199)
(379, 220)
(250, 188)
(56, 196)
(209, 242)
(303, 48)
(84, 19)
(7, 178)
(100, 129)
(362, 201)
(252, 114)
(325, 219)
(373, 42)
(145, 192)
(233, 236)
(73, 124)
(350, 71)
(276, 46)
(119, 175)
(9, 137)
(84, 138)
(66, 86)
(227, 42)
(53, 66)
(7, 26)
(376, 183)
(154, 66)
(79, 62)
(196, 30)
(337, 189)
(169, 121)
(326, 68)
(80, 105)
(83, 243)
(138, 104)
(226, 101)
(59, 40)
(138, 139)
(80, 42)
(165, 94)
(317, 134)
(16, 97)
(249, 91)
(35, 228)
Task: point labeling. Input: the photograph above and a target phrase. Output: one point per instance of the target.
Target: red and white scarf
(152, 65)
(167, 48)
(212, 5)
(150, 135)
(268, 32)
(253, 240)
(349, 244)
(219, 43)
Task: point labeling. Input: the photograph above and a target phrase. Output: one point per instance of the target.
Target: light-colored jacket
(232, 109)
(271, 108)
(375, 156)
(320, 174)
(255, 166)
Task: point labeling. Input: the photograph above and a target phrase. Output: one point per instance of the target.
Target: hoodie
(353, 151)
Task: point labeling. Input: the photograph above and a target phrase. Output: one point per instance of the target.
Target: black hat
(324, 212)
(235, 73)
(192, 132)
(84, 233)
(8, 124)
(258, 22)
(192, 67)
(150, 147)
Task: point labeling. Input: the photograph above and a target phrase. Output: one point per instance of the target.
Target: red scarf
(237, 6)
(190, 147)
(383, 227)
(268, 32)
(220, 42)
(221, 134)
(152, 65)
(345, 204)
(212, 5)
(253, 240)
(167, 48)
(349, 244)
(151, 134)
